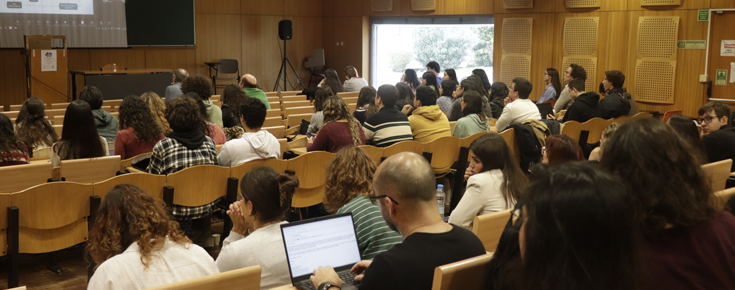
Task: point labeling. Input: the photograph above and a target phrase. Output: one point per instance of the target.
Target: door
(722, 29)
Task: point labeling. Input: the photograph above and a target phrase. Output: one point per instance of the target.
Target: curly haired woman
(32, 128)
(341, 128)
(138, 129)
(348, 184)
(138, 246)
(158, 109)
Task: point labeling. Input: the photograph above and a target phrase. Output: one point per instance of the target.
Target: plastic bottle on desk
(440, 196)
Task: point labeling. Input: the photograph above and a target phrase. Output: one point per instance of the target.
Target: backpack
(528, 144)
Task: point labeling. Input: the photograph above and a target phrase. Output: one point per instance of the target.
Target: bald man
(405, 193)
(174, 90)
(249, 85)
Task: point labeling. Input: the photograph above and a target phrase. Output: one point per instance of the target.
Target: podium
(46, 67)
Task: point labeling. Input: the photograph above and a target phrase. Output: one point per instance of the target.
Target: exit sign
(703, 15)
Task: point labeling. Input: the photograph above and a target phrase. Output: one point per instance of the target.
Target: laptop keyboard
(348, 277)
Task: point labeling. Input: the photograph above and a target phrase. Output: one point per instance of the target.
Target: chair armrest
(134, 170)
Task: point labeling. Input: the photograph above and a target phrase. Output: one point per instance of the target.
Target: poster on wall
(727, 48)
(48, 60)
(721, 77)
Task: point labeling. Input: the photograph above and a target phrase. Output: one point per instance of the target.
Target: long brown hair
(158, 109)
(127, 215)
(80, 138)
(494, 153)
(333, 81)
(335, 109)
(668, 183)
(350, 174)
(8, 140)
(366, 100)
(562, 148)
(32, 128)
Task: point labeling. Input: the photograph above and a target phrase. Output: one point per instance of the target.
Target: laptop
(545, 109)
(323, 241)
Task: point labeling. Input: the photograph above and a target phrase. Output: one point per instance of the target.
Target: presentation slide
(85, 23)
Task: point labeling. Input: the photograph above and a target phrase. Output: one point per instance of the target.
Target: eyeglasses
(546, 74)
(373, 199)
(567, 73)
(707, 119)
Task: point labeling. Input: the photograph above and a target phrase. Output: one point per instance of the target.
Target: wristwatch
(326, 285)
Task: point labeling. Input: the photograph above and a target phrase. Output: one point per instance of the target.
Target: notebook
(324, 241)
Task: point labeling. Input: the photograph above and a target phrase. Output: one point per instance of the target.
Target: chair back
(269, 95)
(595, 126)
(404, 146)
(297, 110)
(19, 177)
(289, 93)
(316, 60)
(198, 185)
(717, 173)
(292, 104)
(90, 170)
(55, 112)
(723, 196)
(375, 153)
(295, 119)
(273, 113)
(310, 169)
(510, 138)
(489, 227)
(445, 151)
(468, 274)
(42, 154)
(59, 105)
(293, 98)
(642, 115)
(283, 143)
(12, 114)
(272, 122)
(668, 115)
(5, 202)
(218, 148)
(451, 126)
(151, 183)
(352, 106)
(228, 66)
(492, 121)
(112, 103)
(572, 129)
(243, 279)
(124, 164)
(53, 216)
(344, 95)
(59, 129)
(58, 120)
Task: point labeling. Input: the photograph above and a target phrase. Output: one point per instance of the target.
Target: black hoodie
(585, 107)
(191, 140)
(615, 104)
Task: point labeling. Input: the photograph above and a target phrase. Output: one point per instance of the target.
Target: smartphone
(309, 135)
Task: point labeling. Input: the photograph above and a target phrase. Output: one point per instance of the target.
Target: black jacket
(587, 106)
(228, 117)
(615, 104)
(720, 144)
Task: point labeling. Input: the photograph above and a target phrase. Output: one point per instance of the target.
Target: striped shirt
(387, 127)
(373, 234)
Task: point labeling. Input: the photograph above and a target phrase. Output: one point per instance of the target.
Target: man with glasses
(717, 133)
(404, 189)
(574, 71)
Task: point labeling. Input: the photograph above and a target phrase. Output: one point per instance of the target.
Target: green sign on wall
(721, 77)
(703, 15)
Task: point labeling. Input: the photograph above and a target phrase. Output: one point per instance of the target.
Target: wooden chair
(451, 126)
(620, 120)
(244, 279)
(489, 227)
(642, 115)
(55, 112)
(196, 186)
(404, 146)
(352, 106)
(717, 173)
(295, 120)
(5, 203)
(309, 169)
(595, 126)
(294, 98)
(275, 106)
(723, 196)
(292, 104)
(273, 113)
(272, 122)
(572, 129)
(116, 114)
(289, 93)
(19, 177)
(125, 164)
(283, 143)
(560, 114)
(238, 171)
(277, 131)
(350, 100)
(492, 121)
(15, 107)
(113, 103)
(297, 110)
(58, 120)
(376, 153)
(668, 114)
(348, 94)
(445, 151)
(215, 98)
(151, 183)
(59, 106)
(510, 138)
(467, 274)
(48, 218)
(59, 129)
(90, 170)
(42, 154)
(271, 94)
(12, 114)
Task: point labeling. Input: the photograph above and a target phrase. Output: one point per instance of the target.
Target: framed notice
(727, 48)
(48, 60)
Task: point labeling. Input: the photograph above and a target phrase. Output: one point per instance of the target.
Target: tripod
(284, 71)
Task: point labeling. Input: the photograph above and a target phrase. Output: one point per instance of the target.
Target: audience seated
(689, 244)
(553, 86)
(249, 85)
(158, 108)
(404, 188)
(411, 79)
(202, 86)
(456, 110)
(434, 68)
(585, 105)
(574, 71)
(317, 119)
(138, 246)
(561, 149)
(185, 147)
(596, 153)
(31, 126)
(718, 135)
(254, 143)
(406, 95)
(578, 232)
(615, 104)
(365, 104)
(430, 79)
(687, 130)
(138, 130)
(428, 122)
(484, 80)
(340, 128)
(256, 238)
(174, 90)
(232, 97)
(445, 99)
(79, 139)
(518, 107)
(498, 93)
(106, 123)
(450, 74)
(331, 79)
(12, 150)
(389, 125)
(212, 130)
(348, 185)
(353, 81)
(474, 120)
(494, 180)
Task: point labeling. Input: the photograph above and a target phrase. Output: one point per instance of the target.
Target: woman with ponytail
(256, 238)
(340, 128)
(32, 128)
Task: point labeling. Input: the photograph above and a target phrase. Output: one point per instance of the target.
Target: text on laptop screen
(329, 242)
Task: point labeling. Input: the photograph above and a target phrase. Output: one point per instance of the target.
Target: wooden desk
(134, 84)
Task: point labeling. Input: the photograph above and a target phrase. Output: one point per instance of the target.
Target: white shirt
(482, 196)
(172, 263)
(354, 84)
(251, 146)
(517, 112)
(262, 247)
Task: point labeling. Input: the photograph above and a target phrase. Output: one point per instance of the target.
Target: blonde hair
(158, 109)
(335, 109)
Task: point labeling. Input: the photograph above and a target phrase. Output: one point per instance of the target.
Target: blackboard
(160, 22)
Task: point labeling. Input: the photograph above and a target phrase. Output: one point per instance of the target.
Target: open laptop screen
(327, 241)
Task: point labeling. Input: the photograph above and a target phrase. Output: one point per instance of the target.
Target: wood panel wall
(246, 30)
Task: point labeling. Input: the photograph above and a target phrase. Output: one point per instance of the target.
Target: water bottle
(440, 199)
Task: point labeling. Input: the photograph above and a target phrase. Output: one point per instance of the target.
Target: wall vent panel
(660, 2)
(655, 68)
(655, 81)
(517, 35)
(657, 37)
(584, 3)
(516, 4)
(515, 66)
(580, 35)
(381, 5)
(423, 5)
